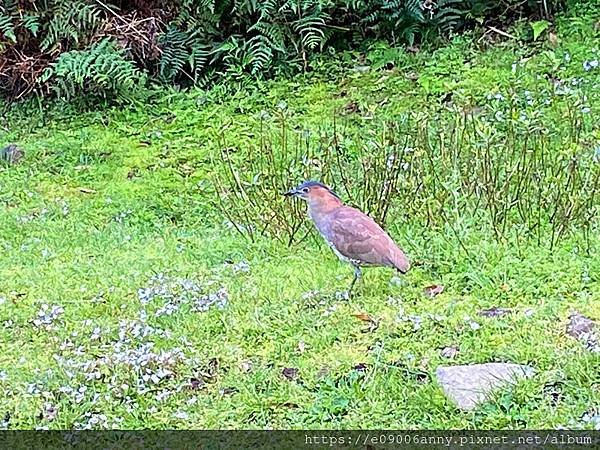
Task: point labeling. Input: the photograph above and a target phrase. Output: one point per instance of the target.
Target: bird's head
(312, 192)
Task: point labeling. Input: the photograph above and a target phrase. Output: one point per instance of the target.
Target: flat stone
(470, 385)
(579, 325)
(494, 312)
(584, 329)
(12, 154)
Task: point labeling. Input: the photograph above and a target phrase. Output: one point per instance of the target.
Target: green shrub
(505, 168)
(101, 69)
(196, 41)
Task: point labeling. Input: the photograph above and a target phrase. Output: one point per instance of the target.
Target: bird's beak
(291, 193)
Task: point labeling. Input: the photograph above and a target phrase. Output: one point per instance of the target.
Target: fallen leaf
(87, 190)
(364, 317)
(433, 290)
(290, 405)
(494, 312)
(373, 323)
(290, 373)
(301, 346)
(553, 39)
(449, 352)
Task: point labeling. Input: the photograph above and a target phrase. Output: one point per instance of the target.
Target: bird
(352, 235)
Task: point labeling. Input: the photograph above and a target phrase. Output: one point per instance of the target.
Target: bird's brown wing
(358, 237)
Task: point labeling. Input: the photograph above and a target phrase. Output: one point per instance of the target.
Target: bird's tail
(400, 261)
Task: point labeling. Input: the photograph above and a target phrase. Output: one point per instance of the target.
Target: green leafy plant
(434, 170)
(102, 68)
(538, 28)
(198, 41)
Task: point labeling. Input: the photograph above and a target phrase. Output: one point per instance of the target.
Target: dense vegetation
(112, 47)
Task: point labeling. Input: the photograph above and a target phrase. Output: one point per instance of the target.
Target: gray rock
(584, 329)
(494, 312)
(470, 385)
(579, 325)
(12, 154)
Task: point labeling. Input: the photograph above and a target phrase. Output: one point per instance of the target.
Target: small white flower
(589, 65)
(181, 415)
(474, 325)
(242, 266)
(396, 281)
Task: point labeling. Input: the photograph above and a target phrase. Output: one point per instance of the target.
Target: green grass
(106, 200)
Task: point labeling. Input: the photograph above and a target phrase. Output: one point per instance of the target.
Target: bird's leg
(357, 275)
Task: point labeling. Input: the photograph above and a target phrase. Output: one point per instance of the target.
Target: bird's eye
(305, 190)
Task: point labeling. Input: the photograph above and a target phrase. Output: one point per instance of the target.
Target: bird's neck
(321, 207)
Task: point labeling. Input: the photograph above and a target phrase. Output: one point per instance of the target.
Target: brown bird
(352, 235)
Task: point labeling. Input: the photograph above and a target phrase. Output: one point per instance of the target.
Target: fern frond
(311, 31)
(103, 68)
(260, 51)
(70, 21)
(449, 15)
(7, 28)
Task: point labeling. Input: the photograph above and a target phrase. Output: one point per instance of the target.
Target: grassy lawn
(126, 300)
